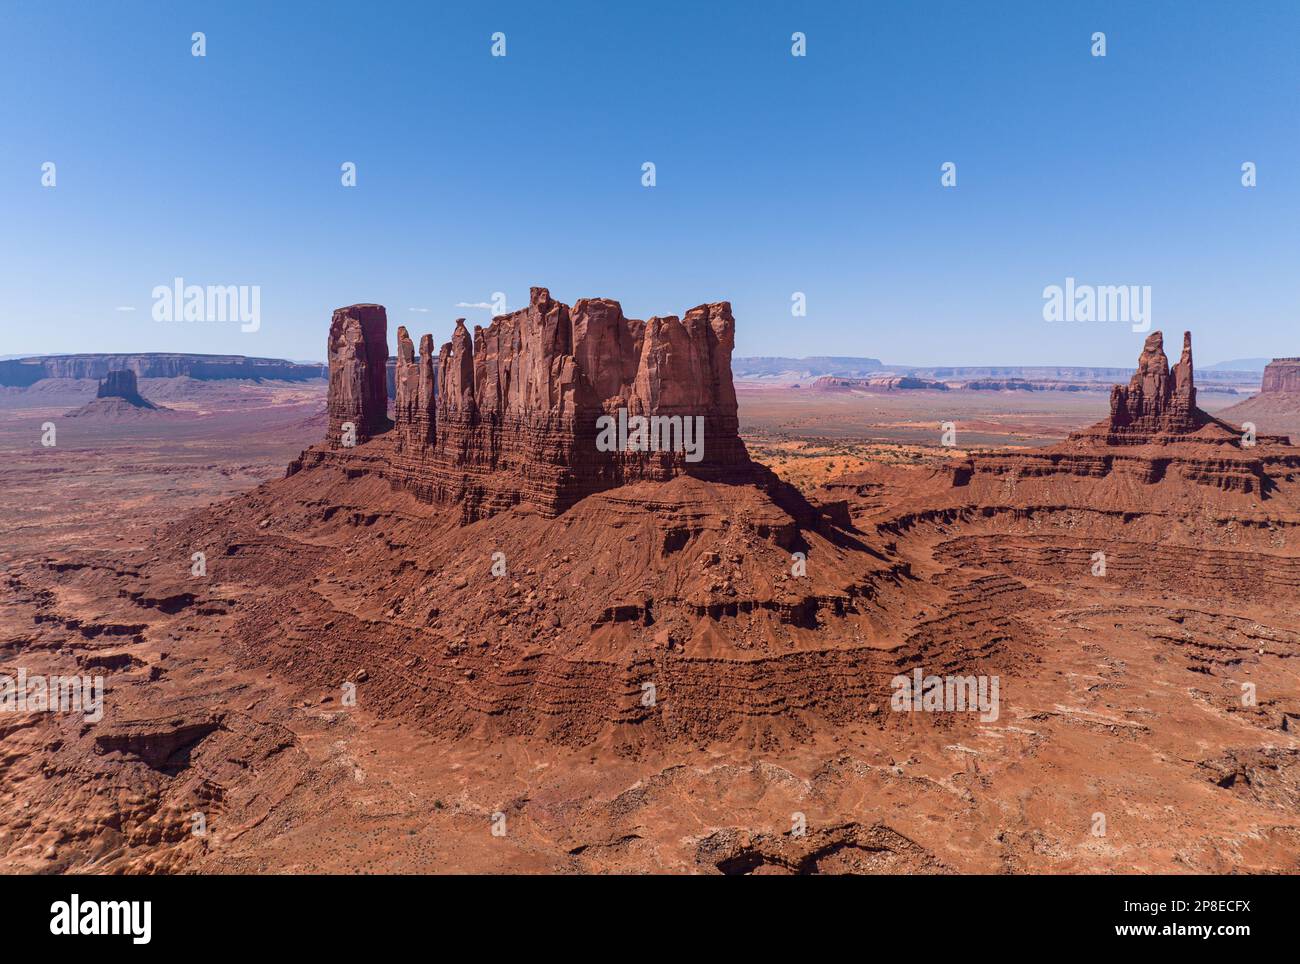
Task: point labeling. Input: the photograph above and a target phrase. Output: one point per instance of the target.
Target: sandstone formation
(766, 631)
(358, 356)
(121, 384)
(1158, 400)
(1276, 407)
(1281, 376)
(21, 372)
(118, 396)
(1154, 430)
(519, 407)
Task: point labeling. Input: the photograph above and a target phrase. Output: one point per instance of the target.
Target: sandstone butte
(515, 415)
(118, 396)
(1281, 376)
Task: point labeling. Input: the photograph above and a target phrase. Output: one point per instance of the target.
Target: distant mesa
(771, 367)
(23, 372)
(876, 383)
(1276, 408)
(118, 396)
(1281, 376)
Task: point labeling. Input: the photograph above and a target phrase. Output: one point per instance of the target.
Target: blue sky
(775, 174)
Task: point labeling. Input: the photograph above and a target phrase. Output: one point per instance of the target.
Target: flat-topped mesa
(1281, 377)
(358, 355)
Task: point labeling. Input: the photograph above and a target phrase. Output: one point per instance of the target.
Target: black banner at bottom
(222, 914)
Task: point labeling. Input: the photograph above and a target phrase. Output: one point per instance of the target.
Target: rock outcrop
(1154, 431)
(21, 372)
(118, 397)
(1276, 407)
(1281, 376)
(545, 406)
(121, 383)
(1158, 400)
(358, 356)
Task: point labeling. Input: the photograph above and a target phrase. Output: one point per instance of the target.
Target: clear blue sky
(775, 174)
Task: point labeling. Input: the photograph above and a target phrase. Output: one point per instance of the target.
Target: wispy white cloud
(474, 304)
(124, 308)
(423, 311)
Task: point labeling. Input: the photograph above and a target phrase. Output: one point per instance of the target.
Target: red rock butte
(1154, 429)
(1281, 376)
(510, 415)
(358, 351)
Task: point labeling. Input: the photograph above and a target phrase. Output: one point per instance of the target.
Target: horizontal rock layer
(26, 371)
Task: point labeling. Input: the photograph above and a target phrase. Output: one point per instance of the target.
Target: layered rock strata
(21, 372)
(1281, 376)
(543, 407)
(1154, 431)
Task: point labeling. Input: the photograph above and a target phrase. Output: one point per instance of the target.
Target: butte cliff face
(120, 384)
(1276, 408)
(358, 354)
(1281, 377)
(543, 407)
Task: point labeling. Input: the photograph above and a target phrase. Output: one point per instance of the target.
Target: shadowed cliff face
(118, 384)
(520, 405)
(358, 356)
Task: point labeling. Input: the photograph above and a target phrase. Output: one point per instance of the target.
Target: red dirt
(517, 699)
